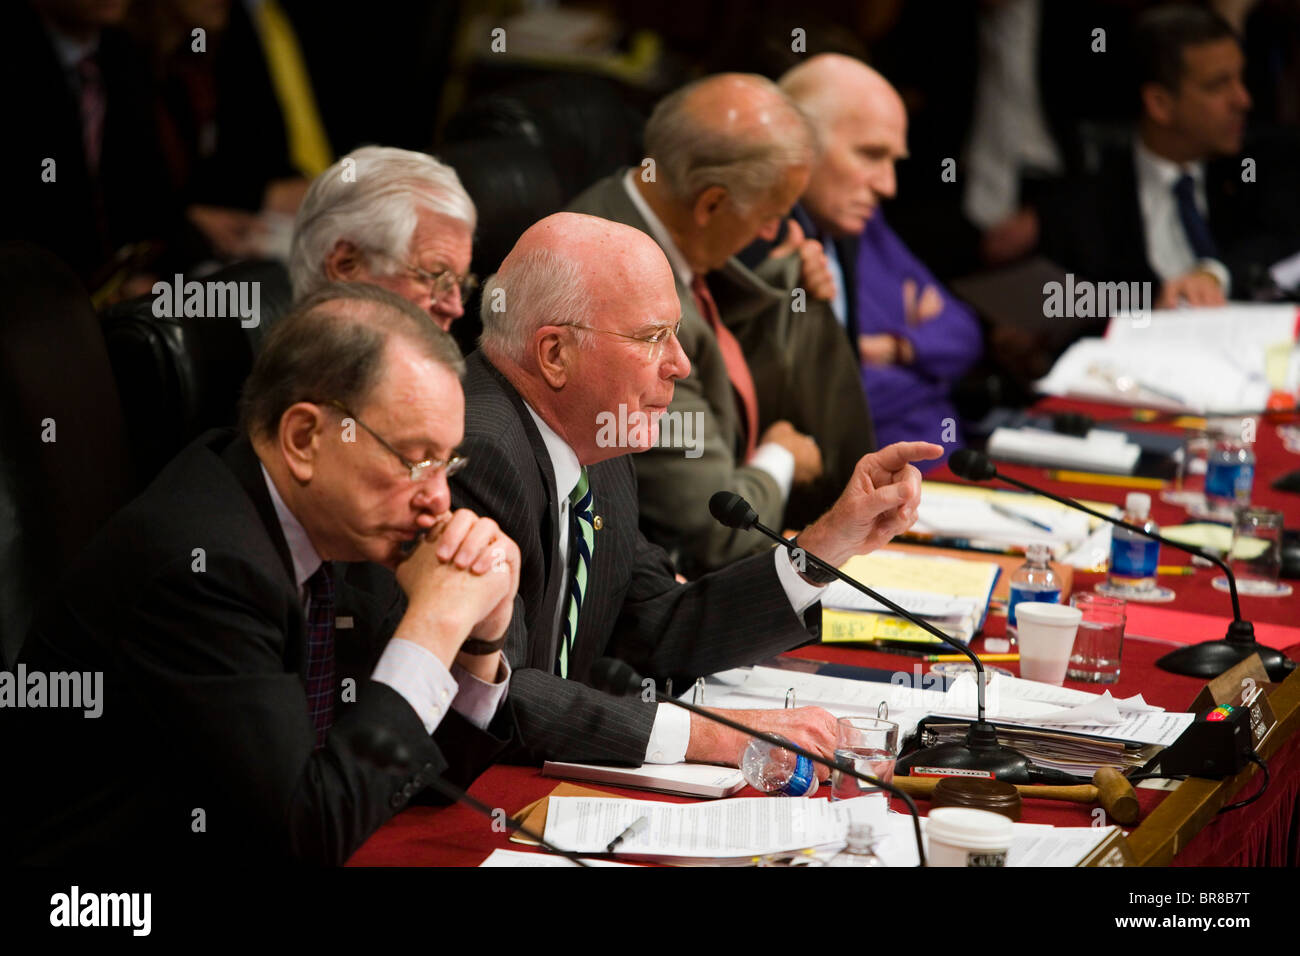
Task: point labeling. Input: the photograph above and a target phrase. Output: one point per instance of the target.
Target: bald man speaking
(913, 338)
(582, 319)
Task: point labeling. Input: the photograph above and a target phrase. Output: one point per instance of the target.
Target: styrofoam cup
(1046, 634)
(964, 836)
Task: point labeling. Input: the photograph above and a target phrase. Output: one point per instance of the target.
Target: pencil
(945, 658)
(1175, 569)
(1089, 478)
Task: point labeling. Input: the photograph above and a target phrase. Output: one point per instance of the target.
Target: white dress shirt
(1009, 130)
(411, 670)
(772, 458)
(671, 732)
(1168, 250)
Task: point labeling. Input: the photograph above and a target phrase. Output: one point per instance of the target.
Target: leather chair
(512, 185)
(581, 124)
(64, 465)
(181, 376)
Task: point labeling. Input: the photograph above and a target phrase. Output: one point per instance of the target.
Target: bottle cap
(1038, 552)
(1138, 504)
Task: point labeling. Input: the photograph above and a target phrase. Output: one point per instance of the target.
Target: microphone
(1206, 660)
(384, 750)
(981, 751)
(618, 677)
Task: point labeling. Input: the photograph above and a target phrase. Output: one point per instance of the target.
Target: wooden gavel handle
(1109, 788)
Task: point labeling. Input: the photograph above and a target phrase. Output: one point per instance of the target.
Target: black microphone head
(732, 510)
(971, 465)
(614, 676)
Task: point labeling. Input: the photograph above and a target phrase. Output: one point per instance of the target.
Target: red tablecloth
(1263, 833)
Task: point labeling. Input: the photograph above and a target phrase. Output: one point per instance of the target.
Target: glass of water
(870, 746)
(1256, 554)
(1189, 481)
(1099, 642)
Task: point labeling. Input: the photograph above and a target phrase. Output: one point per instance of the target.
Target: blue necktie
(1195, 227)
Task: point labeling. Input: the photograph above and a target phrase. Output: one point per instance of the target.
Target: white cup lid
(1059, 615)
(970, 828)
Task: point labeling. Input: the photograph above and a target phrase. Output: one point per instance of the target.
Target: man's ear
(1158, 103)
(552, 354)
(707, 204)
(345, 263)
(302, 431)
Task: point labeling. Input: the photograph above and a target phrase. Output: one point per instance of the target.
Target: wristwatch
(478, 648)
(812, 573)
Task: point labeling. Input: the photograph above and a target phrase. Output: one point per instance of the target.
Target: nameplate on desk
(1112, 851)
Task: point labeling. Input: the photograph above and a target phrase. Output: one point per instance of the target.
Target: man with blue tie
(1185, 206)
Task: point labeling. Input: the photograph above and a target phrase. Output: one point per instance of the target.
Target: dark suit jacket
(1095, 230)
(204, 704)
(633, 608)
(83, 218)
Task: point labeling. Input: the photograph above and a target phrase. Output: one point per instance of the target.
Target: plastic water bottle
(1229, 477)
(777, 771)
(861, 848)
(1133, 558)
(1033, 581)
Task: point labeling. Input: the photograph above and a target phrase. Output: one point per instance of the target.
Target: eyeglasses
(418, 470)
(655, 340)
(441, 284)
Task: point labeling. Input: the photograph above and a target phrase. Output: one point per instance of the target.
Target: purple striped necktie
(320, 652)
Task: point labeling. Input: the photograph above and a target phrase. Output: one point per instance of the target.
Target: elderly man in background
(588, 322)
(729, 155)
(913, 338)
(391, 217)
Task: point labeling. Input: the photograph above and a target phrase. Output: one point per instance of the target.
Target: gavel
(1109, 788)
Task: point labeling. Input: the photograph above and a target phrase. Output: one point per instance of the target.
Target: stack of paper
(1223, 360)
(969, 516)
(951, 593)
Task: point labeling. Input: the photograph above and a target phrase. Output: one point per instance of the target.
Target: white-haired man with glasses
(261, 660)
(589, 328)
(393, 218)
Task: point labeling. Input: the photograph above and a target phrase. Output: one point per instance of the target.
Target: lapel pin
(598, 522)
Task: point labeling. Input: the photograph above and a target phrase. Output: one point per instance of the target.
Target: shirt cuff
(777, 462)
(669, 735)
(1217, 269)
(802, 595)
(418, 675)
(478, 700)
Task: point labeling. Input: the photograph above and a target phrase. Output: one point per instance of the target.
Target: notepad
(951, 593)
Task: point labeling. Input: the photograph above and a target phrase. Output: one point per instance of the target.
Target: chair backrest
(581, 123)
(512, 185)
(180, 375)
(64, 464)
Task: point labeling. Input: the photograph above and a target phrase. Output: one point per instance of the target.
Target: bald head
(581, 319)
(862, 131)
(734, 131)
(565, 268)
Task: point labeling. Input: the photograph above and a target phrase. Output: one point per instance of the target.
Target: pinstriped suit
(633, 608)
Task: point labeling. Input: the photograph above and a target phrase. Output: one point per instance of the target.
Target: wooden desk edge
(1182, 815)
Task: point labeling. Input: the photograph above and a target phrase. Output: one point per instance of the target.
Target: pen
(1012, 513)
(635, 827)
(944, 658)
(1089, 478)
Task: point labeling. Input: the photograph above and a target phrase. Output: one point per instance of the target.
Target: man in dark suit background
(577, 367)
(248, 678)
(1185, 207)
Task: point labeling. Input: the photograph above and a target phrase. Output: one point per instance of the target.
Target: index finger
(896, 456)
